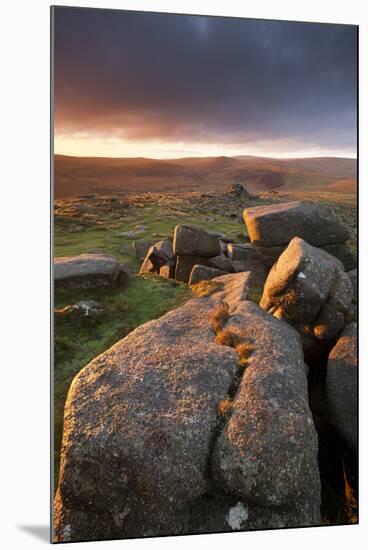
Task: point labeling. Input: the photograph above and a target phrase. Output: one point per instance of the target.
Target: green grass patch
(78, 342)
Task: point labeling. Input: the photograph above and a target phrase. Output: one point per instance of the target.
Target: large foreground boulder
(267, 452)
(271, 227)
(309, 287)
(89, 271)
(342, 386)
(194, 241)
(139, 452)
(141, 424)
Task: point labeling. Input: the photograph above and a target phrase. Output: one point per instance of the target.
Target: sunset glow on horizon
(130, 84)
(117, 148)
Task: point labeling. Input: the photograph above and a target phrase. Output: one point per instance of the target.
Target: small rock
(158, 255)
(89, 271)
(204, 273)
(194, 241)
(130, 234)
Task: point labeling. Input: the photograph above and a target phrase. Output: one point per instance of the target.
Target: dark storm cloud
(192, 78)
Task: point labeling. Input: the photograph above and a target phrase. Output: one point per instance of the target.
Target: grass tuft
(225, 407)
(225, 338)
(219, 317)
(206, 288)
(244, 350)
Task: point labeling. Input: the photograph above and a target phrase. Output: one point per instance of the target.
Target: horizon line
(271, 157)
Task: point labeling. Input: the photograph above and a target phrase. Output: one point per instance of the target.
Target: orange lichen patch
(219, 317)
(225, 407)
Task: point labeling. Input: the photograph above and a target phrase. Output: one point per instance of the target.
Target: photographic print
(204, 375)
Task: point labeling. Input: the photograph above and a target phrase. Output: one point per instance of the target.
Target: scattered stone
(89, 271)
(158, 255)
(238, 190)
(342, 386)
(194, 241)
(131, 234)
(204, 273)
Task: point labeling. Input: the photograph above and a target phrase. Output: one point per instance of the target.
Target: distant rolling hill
(83, 175)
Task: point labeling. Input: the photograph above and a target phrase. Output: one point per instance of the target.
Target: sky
(135, 84)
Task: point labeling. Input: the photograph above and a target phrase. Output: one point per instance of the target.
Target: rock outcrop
(195, 248)
(141, 453)
(310, 289)
(342, 386)
(271, 228)
(159, 254)
(89, 271)
(238, 190)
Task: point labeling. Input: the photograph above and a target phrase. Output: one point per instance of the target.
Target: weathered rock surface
(204, 273)
(220, 262)
(141, 426)
(239, 252)
(303, 280)
(140, 450)
(238, 190)
(237, 287)
(158, 255)
(89, 271)
(342, 386)
(267, 452)
(353, 276)
(194, 241)
(344, 253)
(184, 266)
(276, 224)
